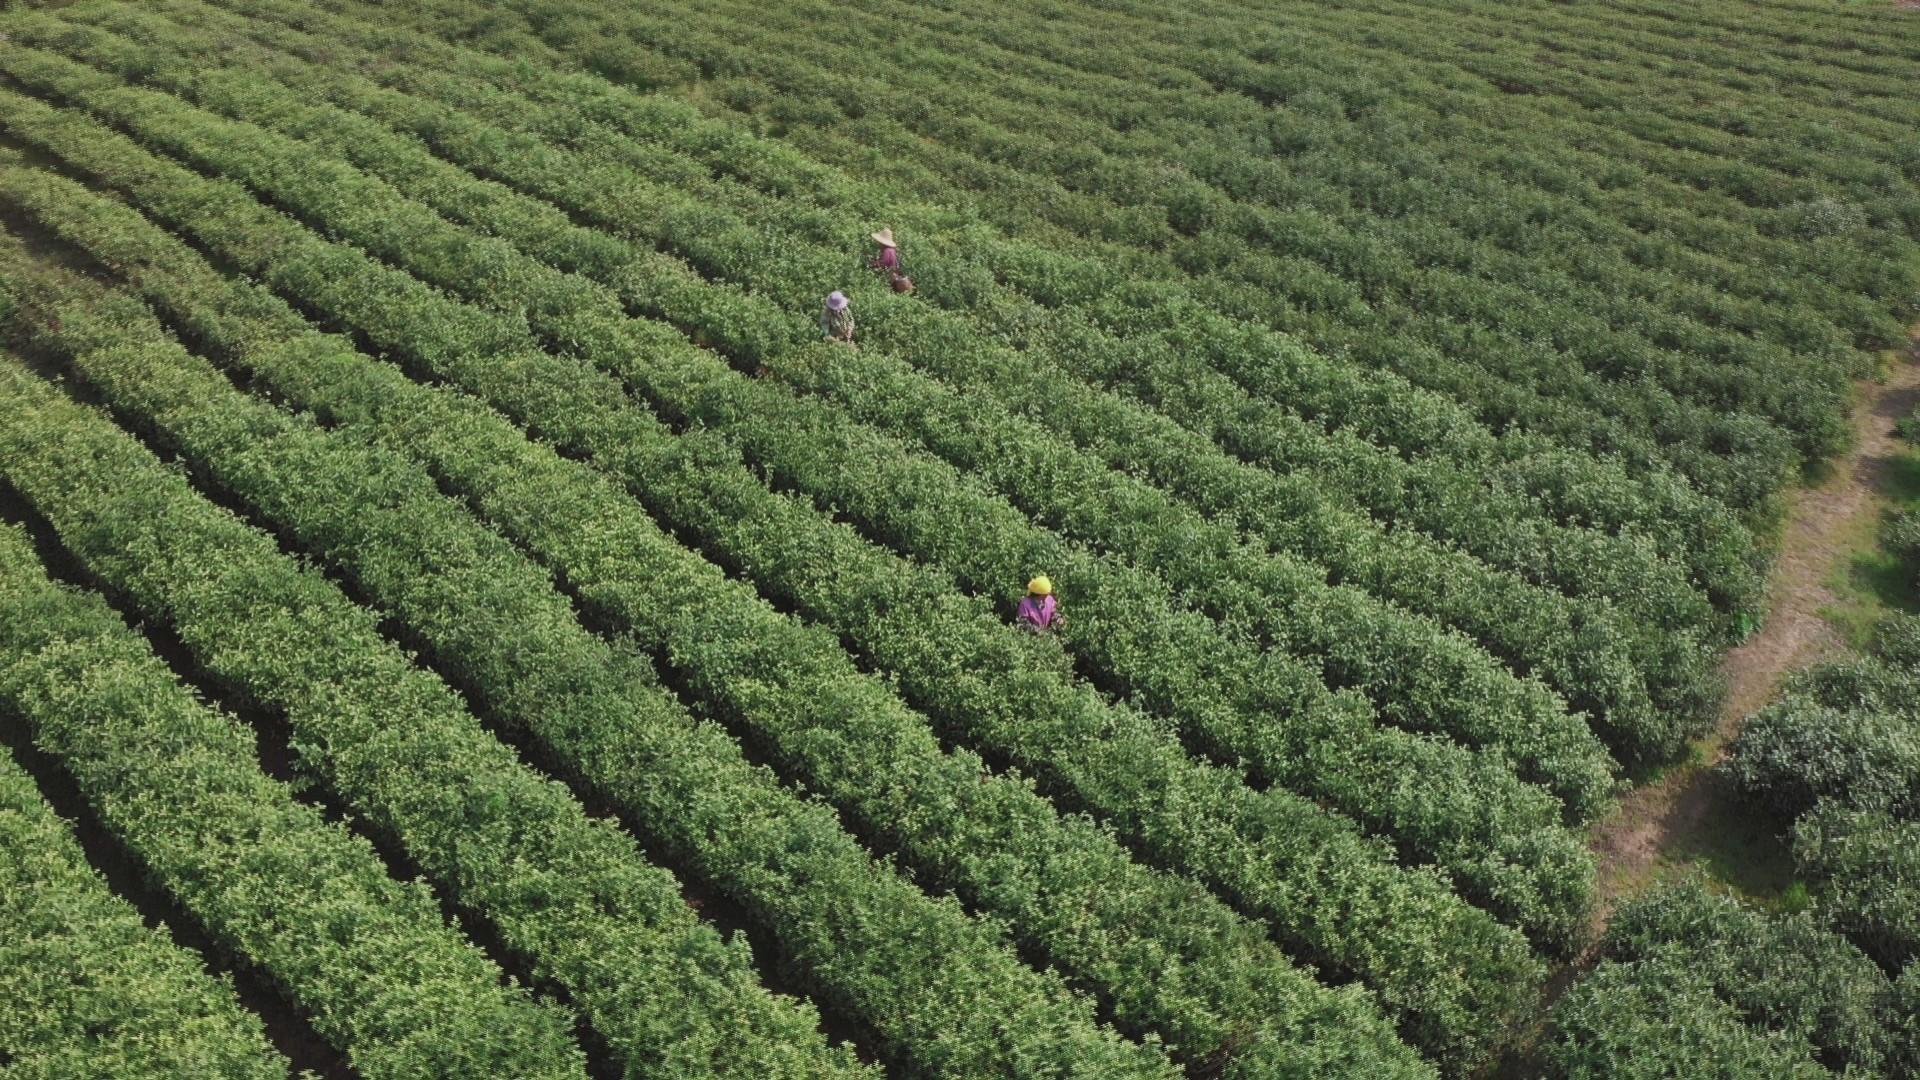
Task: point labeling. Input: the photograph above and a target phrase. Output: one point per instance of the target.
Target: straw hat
(884, 237)
(836, 301)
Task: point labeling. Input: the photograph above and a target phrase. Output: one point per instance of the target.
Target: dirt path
(1822, 528)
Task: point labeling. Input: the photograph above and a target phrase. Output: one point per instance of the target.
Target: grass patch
(1872, 582)
(1642, 774)
(1732, 848)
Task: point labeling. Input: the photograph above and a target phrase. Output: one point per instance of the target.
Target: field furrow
(86, 988)
(368, 958)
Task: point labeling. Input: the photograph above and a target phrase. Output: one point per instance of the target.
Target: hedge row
(1067, 890)
(1847, 731)
(1417, 675)
(1901, 538)
(904, 967)
(1785, 973)
(1379, 407)
(1581, 102)
(1135, 122)
(1610, 76)
(1461, 809)
(1456, 981)
(1318, 310)
(1865, 868)
(1905, 1027)
(1693, 983)
(86, 988)
(1808, 747)
(963, 266)
(1838, 758)
(1661, 159)
(1129, 934)
(1231, 346)
(1583, 650)
(1434, 121)
(369, 959)
(1693, 434)
(1605, 318)
(1075, 142)
(1324, 51)
(1286, 512)
(1656, 1019)
(1094, 158)
(566, 891)
(1788, 22)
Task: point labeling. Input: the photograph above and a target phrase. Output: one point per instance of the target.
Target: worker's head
(836, 301)
(1040, 586)
(884, 238)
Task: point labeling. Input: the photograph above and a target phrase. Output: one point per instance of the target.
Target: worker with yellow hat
(1040, 609)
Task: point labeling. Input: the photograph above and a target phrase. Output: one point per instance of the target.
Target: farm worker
(889, 258)
(836, 320)
(888, 262)
(1039, 610)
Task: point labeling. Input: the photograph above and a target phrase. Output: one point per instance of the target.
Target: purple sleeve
(890, 258)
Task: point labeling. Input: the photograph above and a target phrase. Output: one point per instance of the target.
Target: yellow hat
(1040, 586)
(884, 237)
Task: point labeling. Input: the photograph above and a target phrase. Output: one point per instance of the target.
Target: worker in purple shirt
(889, 258)
(888, 262)
(1039, 610)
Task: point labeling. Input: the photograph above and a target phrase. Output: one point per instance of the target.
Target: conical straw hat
(884, 237)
